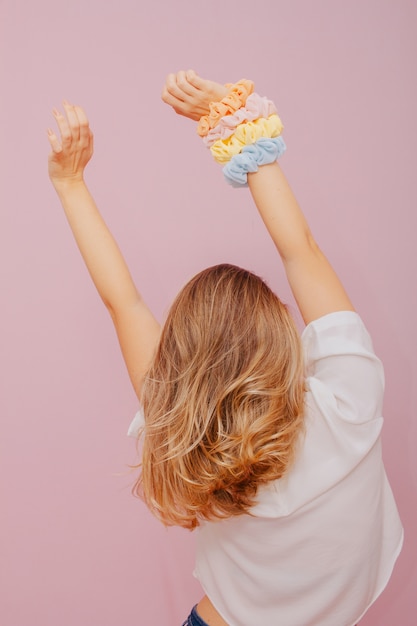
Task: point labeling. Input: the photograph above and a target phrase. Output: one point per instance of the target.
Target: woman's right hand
(190, 95)
(71, 152)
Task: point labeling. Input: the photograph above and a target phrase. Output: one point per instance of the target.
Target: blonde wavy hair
(223, 399)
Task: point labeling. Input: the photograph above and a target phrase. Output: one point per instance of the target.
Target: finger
(83, 124)
(184, 84)
(172, 88)
(90, 144)
(64, 128)
(195, 80)
(168, 98)
(54, 142)
(73, 122)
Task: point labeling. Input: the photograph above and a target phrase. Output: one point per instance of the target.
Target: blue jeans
(194, 619)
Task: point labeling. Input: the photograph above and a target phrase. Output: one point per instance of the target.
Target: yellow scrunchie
(235, 99)
(245, 134)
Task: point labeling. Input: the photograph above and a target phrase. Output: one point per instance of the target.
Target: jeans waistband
(194, 619)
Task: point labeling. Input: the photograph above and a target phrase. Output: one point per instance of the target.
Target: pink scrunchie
(256, 106)
(234, 100)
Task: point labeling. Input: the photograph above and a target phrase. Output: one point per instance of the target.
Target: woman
(268, 444)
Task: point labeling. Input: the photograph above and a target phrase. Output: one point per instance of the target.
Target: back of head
(223, 399)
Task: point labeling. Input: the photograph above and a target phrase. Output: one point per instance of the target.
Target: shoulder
(341, 364)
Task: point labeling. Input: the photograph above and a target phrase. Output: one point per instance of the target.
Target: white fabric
(322, 541)
(136, 425)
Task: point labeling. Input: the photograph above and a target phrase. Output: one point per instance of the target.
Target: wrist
(67, 183)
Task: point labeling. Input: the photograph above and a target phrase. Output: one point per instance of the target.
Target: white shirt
(322, 541)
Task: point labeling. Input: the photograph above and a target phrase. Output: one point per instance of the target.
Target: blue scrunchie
(262, 152)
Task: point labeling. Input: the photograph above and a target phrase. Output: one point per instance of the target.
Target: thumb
(53, 141)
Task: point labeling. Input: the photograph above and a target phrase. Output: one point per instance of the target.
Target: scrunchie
(246, 134)
(235, 99)
(255, 107)
(263, 152)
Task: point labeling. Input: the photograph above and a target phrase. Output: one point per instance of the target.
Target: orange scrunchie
(235, 99)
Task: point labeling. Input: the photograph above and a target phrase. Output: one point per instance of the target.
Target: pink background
(76, 547)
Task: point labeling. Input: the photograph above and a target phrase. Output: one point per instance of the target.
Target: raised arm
(137, 329)
(314, 283)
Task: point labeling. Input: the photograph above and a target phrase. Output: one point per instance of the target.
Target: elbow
(311, 244)
(303, 246)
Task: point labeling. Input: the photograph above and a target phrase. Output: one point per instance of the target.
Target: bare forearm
(315, 285)
(98, 248)
(279, 210)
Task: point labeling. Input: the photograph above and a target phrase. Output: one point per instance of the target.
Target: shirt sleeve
(137, 424)
(341, 366)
